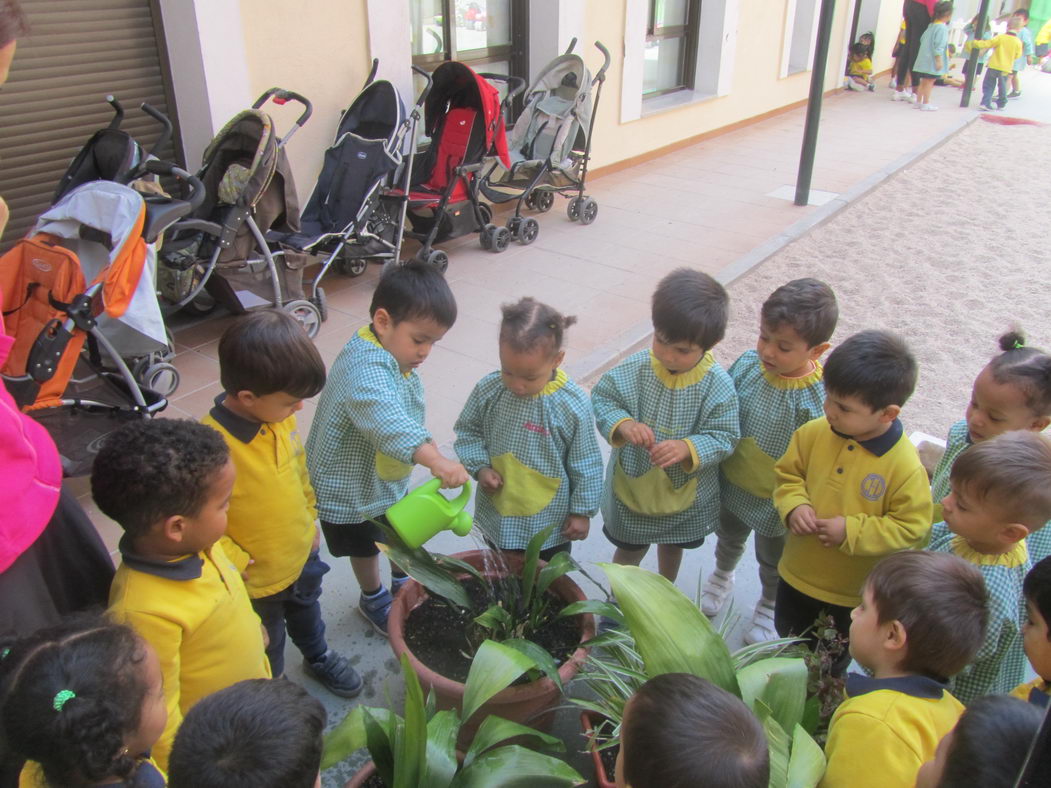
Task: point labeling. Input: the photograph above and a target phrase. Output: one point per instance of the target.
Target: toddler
(921, 619)
(528, 435)
(1028, 51)
(1036, 634)
(82, 702)
(1012, 392)
(859, 69)
(670, 414)
(1001, 491)
(1006, 49)
(779, 389)
(369, 427)
(932, 60)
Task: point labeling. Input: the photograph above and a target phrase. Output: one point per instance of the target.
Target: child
(266, 734)
(850, 488)
(1036, 634)
(921, 619)
(681, 731)
(779, 389)
(369, 428)
(987, 748)
(932, 61)
(670, 414)
(167, 483)
(1006, 49)
(83, 703)
(859, 69)
(868, 40)
(267, 365)
(1001, 491)
(1028, 51)
(1012, 392)
(527, 434)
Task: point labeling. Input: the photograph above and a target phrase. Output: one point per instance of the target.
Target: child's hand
(668, 453)
(451, 473)
(266, 637)
(489, 480)
(316, 544)
(802, 521)
(635, 433)
(576, 527)
(244, 572)
(832, 532)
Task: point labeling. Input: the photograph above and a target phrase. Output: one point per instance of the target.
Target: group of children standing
(220, 552)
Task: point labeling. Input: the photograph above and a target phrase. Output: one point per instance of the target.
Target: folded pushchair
(464, 117)
(219, 253)
(79, 300)
(550, 145)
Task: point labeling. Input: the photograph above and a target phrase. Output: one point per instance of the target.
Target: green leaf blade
(780, 682)
(493, 669)
(513, 766)
(496, 730)
(441, 765)
(806, 766)
(539, 655)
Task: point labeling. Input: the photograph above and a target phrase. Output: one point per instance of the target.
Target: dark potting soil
(440, 634)
(374, 781)
(609, 761)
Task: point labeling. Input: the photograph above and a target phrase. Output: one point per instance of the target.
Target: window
(670, 46)
(800, 34)
(475, 32)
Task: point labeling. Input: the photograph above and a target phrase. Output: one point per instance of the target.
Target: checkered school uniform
(545, 449)
(1000, 664)
(771, 407)
(644, 504)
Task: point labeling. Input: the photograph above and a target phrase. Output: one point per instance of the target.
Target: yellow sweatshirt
(1007, 48)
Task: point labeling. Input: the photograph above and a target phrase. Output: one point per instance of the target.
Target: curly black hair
(147, 471)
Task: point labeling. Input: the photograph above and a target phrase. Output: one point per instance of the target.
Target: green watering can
(424, 512)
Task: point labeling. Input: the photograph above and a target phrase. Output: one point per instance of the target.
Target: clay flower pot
(530, 704)
(590, 721)
(361, 775)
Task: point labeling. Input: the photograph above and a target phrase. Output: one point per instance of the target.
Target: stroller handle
(166, 126)
(193, 183)
(601, 75)
(372, 71)
(515, 85)
(282, 96)
(572, 44)
(426, 88)
(118, 111)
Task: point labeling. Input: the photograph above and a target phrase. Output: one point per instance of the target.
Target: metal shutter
(77, 51)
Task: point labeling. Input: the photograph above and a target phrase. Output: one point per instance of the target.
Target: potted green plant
(418, 750)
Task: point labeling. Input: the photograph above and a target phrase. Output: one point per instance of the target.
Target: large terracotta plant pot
(361, 775)
(530, 704)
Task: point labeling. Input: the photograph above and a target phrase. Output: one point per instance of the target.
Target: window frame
(687, 34)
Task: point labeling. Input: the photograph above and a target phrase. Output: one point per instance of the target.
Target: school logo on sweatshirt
(873, 486)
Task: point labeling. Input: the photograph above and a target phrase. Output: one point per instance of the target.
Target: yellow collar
(366, 333)
(789, 384)
(1016, 556)
(682, 379)
(553, 385)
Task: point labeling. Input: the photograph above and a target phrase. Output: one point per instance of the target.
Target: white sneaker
(929, 108)
(717, 588)
(893, 83)
(911, 98)
(762, 627)
(899, 95)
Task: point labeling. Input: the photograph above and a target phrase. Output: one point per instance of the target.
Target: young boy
(921, 619)
(266, 734)
(1028, 51)
(932, 60)
(779, 389)
(267, 366)
(1006, 49)
(682, 731)
(670, 414)
(850, 488)
(168, 483)
(859, 69)
(1036, 634)
(1001, 492)
(369, 427)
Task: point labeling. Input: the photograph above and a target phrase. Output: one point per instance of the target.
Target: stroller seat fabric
(452, 148)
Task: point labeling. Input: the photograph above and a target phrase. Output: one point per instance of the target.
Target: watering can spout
(425, 511)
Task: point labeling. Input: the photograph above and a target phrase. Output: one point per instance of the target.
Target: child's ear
(1039, 425)
(174, 528)
(1012, 533)
(817, 351)
(890, 413)
(245, 397)
(381, 319)
(897, 638)
(559, 356)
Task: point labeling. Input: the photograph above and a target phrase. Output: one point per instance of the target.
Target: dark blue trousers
(995, 80)
(298, 609)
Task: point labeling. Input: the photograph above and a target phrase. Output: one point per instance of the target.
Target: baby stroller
(550, 145)
(464, 117)
(80, 302)
(219, 253)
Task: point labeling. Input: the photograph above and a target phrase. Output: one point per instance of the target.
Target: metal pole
(972, 59)
(813, 109)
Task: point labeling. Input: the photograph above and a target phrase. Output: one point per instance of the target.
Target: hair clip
(62, 698)
(1018, 345)
(4, 653)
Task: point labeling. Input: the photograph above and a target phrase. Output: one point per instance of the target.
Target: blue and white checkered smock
(644, 504)
(545, 448)
(1000, 664)
(771, 408)
(368, 425)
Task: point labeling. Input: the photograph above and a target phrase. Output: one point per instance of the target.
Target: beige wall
(886, 32)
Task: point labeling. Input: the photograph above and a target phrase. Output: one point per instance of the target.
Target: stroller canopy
(557, 114)
(240, 161)
(456, 86)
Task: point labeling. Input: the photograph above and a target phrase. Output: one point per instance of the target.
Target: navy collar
(188, 568)
(1039, 698)
(881, 444)
(241, 428)
(914, 686)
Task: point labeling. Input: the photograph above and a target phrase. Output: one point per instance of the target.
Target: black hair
(528, 323)
(682, 731)
(807, 305)
(13, 22)
(1022, 12)
(267, 351)
(877, 367)
(690, 306)
(150, 470)
(412, 291)
(940, 600)
(857, 48)
(1028, 368)
(990, 743)
(1036, 588)
(257, 733)
(941, 9)
(90, 668)
(1011, 472)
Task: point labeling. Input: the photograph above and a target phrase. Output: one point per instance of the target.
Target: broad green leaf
(496, 730)
(381, 744)
(811, 714)
(670, 633)
(595, 606)
(493, 668)
(780, 682)
(451, 562)
(539, 655)
(411, 746)
(779, 745)
(419, 565)
(516, 766)
(346, 738)
(532, 556)
(495, 616)
(560, 564)
(441, 765)
(806, 766)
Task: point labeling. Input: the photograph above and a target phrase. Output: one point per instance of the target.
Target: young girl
(932, 60)
(1013, 392)
(82, 702)
(528, 436)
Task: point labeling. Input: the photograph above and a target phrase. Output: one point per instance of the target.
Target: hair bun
(1012, 340)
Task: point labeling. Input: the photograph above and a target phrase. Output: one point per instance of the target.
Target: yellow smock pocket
(525, 491)
(652, 493)
(390, 469)
(751, 469)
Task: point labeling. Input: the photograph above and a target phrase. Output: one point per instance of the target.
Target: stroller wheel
(162, 378)
(354, 266)
(528, 231)
(543, 201)
(588, 211)
(439, 260)
(307, 314)
(501, 239)
(530, 201)
(573, 209)
(203, 304)
(514, 226)
(321, 302)
(485, 237)
(486, 213)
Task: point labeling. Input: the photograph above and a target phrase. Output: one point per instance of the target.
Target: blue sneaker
(376, 609)
(334, 673)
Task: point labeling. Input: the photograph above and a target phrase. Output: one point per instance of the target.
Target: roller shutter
(76, 53)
